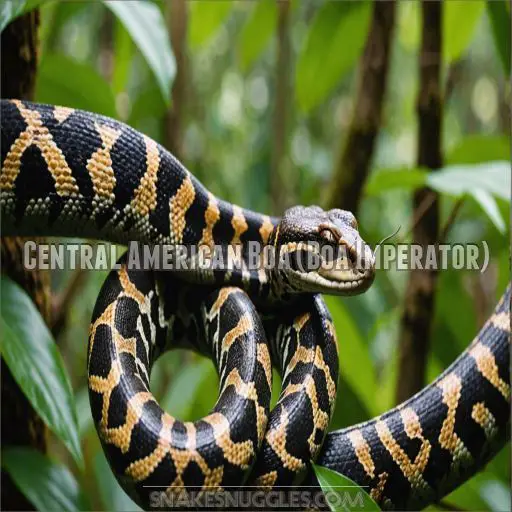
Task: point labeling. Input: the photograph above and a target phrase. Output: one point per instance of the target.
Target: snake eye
(328, 235)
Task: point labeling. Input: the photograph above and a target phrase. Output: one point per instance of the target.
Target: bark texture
(177, 17)
(416, 319)
(279, 189)
(354, 160)
(20, 423)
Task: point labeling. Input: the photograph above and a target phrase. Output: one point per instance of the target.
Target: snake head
(322, 252)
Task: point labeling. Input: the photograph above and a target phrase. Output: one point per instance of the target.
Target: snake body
(67, 172)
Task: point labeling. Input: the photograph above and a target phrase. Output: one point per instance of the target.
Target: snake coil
(67, 172)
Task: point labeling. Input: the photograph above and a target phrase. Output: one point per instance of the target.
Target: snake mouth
(349, 285)
(343, 271)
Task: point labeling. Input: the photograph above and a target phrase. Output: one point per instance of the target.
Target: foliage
(326, 56)
(345, 489)
(145, 23)
(115, 58)
(34, 360)
(47, 484)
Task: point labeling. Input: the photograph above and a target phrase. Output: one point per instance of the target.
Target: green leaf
(64, 81)
(123, 49)
(482, 181)
(146, 25)
(475, 149)
(11, 9)
(488, 204)
(256, 32)
(343, 494)
(456, 180)
(354, 354)
(499, 16)
(179, 401)
(386, 179)
(112, 495)
(206, 393)
(276, 388)
(35, 362)
(332, 47)
(460, 18)
(148, 104)
(205, 18)
(83, 407)
(46, 484)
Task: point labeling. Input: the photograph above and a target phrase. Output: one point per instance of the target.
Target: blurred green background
(118, 60)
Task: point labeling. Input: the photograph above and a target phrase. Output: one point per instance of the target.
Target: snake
(70, 173)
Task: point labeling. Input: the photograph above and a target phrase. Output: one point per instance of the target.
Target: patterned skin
(72, 173)
(424, 448)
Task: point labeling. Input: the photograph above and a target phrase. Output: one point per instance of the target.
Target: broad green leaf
(488, 204)
(466, 497)
(54, 16)
(386, 179)
(384, 338)
(112, 495)
(475, 149)
(332, 47)
(205, 19)
(206, 393)
(48, 485)
(83, 408)
(450, 336)
(64, 81)
(276, 388)
(354, 354)
(123, 49)
(179, 401)
(499, 15)
(256, 32)
(148, 104)
(145, 23)
(32, 356)
(343, 494)
(11, 9)
(481, 182)
(475, 493)
(460, 19)
(494, 177)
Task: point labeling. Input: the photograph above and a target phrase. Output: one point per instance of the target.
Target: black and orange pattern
(71, 173)
(418, 452)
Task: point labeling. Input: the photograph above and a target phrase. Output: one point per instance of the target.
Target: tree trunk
(354, 160)
(279, 190)
(174, 119)
(21, 426)
(416, 320)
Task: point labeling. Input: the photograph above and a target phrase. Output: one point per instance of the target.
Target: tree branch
(353, 162)
(419, 297)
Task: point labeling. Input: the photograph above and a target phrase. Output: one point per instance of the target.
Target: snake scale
(67, 172)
